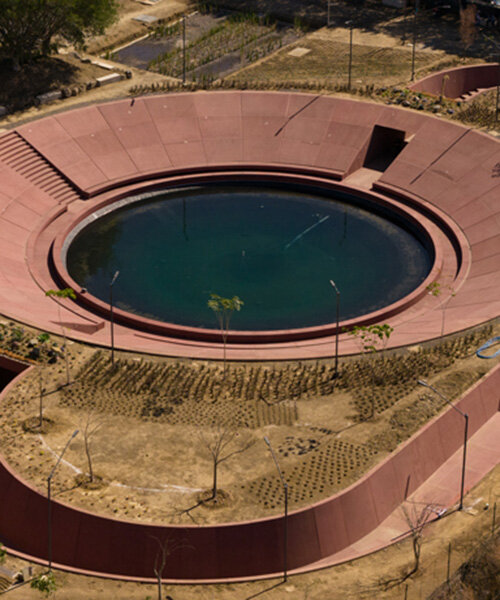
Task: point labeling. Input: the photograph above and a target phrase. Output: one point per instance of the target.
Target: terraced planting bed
(216, 45)
(154, 462)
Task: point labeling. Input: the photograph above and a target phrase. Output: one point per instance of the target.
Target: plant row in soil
(26, 345)
(233, 34)
(255, 395)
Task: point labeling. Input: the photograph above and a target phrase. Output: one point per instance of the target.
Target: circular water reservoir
(275, 247)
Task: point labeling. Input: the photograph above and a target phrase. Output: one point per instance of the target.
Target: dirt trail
(126, 28)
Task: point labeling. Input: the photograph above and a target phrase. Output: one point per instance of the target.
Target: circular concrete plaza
(57, 171)
(445, 178)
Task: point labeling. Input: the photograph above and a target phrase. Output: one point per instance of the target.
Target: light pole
(183, 49)
(285, 530)
(350, 23)
(115, 277)
(414, 41)
(497, 103)
(466, 428)
(332, 283)
(49, 503)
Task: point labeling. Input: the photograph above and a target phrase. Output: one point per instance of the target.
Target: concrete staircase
(23, 158)
(5, 579)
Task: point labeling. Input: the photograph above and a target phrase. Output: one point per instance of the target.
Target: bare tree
(416, 516)
(41, 391)
(93, 423)
(222, 443)
(165, 548)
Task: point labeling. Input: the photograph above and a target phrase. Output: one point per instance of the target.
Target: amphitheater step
(5, 580)
(23, 158)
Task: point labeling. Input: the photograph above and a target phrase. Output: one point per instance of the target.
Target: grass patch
(329, 61)
(233, 34)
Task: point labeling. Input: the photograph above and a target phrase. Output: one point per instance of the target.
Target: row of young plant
(325, 468)
(22, 344)
(243, 84)
(385, 378)
(480, 112)
(232, 34)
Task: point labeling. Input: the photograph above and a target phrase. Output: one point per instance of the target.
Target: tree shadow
(19, 88)
(265, 590)
(434, 32)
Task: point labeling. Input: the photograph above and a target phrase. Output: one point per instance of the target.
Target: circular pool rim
(425, 227)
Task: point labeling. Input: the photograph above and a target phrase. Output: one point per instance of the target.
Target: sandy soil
(126, 29)
(154, 461)
(359, 579)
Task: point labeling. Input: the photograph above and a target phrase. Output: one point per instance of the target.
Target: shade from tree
(30, 29)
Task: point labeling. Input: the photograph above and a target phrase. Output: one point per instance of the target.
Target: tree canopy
(30, 28)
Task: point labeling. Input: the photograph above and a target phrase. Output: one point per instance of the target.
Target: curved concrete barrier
(461, 81)
(92, 543)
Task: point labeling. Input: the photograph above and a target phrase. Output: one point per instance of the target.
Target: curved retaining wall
(93, 543)
(461, 81)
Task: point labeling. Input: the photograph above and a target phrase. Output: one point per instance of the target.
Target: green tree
(44, 583)
(223, 309)
(29, 28)
(372, 338)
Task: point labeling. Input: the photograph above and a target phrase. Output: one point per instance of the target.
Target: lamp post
(115, 277)
(466, 427)
(350, 23)
(497, 103)
(285, 531)
(183, 49)
(414, 41)
(332, 283)
(49, 503)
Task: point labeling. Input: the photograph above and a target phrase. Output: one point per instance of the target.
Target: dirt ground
(19, 88)
(295, 429)
(326, 58)
(126, 29)
(356, 580)
(149, 413)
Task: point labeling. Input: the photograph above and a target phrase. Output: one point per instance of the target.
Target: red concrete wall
(461, 80)
(12, 365)
(93, 543)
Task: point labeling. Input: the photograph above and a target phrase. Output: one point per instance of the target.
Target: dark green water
(275, 248)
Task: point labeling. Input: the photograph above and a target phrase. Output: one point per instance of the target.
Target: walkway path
(441, 490)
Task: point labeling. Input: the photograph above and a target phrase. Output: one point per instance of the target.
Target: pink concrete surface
(361, 519)
(460, 82)
(446, 174)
